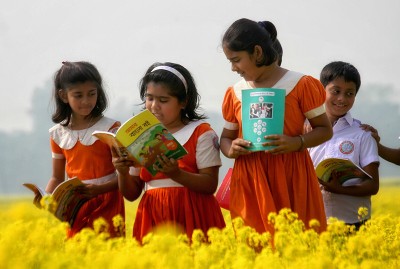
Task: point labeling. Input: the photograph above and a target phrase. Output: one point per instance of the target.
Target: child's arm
(374, 132)
(232, 146)
(366, 188)
(206, 181)
(321, 132)
(92, 190)
(389, 154)
(58, 175)
(130, 186)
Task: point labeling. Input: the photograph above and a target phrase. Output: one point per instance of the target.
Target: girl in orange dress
(283, 177)
(181, 193)
(80, 101)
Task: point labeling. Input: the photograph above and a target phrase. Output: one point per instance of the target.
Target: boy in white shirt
(342, 82)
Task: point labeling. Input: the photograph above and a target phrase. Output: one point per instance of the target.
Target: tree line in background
(26, 156)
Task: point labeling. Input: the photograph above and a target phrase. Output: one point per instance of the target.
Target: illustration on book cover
(262, 114)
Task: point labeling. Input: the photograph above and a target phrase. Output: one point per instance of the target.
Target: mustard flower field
(32, 238)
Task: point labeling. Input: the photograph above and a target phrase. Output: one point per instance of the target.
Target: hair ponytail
(270, 28)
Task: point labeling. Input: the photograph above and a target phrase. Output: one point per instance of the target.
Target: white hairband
(173, 71)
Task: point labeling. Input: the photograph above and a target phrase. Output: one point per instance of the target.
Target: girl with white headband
(181, 193)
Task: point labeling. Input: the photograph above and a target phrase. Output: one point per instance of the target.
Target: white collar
(67, 138)
(343, 122)
(287, 82)
(183, 135)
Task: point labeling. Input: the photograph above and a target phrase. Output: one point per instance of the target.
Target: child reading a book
(342, 201)
(79, 104)
(389, 154)
(282, 177)
(181, 193)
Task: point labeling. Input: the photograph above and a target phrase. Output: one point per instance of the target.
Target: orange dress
(262, 183)
(89, 159)
(167, 202)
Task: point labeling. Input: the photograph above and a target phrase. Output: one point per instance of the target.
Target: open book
(142, 138)
(263, 113)
(346, 168)
(67, 200)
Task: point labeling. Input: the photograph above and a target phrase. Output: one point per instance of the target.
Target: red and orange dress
(262, 183)
(168, 202)
(90, 160)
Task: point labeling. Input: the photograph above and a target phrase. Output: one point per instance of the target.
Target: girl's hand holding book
(333, 185)
(166, 165)
(239, 147)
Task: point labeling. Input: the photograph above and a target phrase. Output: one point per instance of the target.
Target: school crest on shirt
(346, 147)
(216, 142)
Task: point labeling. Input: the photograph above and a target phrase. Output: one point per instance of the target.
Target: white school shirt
(351, 142)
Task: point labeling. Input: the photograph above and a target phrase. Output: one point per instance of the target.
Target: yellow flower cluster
(32, 238)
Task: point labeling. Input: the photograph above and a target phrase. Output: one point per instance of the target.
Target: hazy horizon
(123, 38)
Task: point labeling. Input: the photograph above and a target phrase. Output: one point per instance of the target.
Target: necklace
(78, 136)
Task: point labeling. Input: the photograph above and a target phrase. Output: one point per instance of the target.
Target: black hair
(69, 75)
(176, 88)
(245, 34)
(278, 48)
(339, 69)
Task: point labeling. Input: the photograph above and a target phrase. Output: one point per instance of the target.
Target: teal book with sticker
(263, 113)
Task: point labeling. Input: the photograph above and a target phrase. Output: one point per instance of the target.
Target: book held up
(142, 138)
(66, 199)
(345, 168)
(263, 113)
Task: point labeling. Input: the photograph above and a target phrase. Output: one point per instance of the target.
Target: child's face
(340, 97)
(242, 63)
(164, 106)
(81, 97)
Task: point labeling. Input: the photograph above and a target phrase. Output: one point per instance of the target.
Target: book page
(39, 193)
(345, 169)
(110, 139)
(36, 190)
(68, 200)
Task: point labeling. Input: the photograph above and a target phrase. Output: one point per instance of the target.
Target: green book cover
(142, 138)
(263, 113)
